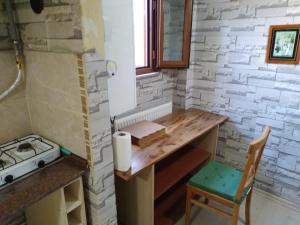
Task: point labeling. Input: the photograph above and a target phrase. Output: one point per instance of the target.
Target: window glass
(173, 29)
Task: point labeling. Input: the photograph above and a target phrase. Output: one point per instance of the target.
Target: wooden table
(148, 192)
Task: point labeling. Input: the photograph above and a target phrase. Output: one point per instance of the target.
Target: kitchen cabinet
(63, 207)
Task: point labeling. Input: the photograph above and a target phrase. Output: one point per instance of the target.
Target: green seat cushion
(219, 179)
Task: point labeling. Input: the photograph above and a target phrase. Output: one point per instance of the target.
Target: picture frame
(283, 44)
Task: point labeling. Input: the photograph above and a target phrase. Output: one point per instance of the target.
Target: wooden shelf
(170, 207)
(73, 221)
(72, 196)
(72, 202)
(62, 207)
(74, 217)
(175, 167)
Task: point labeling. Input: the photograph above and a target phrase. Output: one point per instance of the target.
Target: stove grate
(7, 148)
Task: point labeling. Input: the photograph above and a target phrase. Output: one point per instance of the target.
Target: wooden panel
(135, 199)
(183, 127)
(172, 169)
(208, 142)
(170, 207)
(48, 211)
(74, 199)
(143, 129)
(72, 196)
(75, 217)
(145, 132)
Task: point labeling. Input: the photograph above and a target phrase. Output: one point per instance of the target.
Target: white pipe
(16, 83)
(14, 35)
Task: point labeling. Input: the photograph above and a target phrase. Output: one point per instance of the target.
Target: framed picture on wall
(283, 44)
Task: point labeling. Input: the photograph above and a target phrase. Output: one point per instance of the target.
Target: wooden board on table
(145, 132)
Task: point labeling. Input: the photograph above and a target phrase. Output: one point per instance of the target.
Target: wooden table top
(16, 197)
(183, 126)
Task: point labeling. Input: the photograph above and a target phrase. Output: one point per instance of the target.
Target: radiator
(149, 114)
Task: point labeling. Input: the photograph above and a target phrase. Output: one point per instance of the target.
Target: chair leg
(235, 215)
(188, 205)
(206, 201)
(248, 207)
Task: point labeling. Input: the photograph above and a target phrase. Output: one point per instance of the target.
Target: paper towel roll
(122, 151)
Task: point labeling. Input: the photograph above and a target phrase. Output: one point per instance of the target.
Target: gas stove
(22, 156)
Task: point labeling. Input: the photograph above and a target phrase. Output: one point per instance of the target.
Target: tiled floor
(266, 210)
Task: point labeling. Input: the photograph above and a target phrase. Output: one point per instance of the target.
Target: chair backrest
(255, 151)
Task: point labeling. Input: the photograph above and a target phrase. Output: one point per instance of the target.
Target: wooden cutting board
(145, 132)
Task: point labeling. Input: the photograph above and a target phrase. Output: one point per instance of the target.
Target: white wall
(119, 47)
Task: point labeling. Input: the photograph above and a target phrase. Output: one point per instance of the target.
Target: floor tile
(265, 210)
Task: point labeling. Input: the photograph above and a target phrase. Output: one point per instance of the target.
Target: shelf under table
(177, 166)
(170, 207)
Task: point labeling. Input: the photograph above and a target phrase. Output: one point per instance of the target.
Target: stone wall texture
(100, 186)
(56, 29)
(162, 87)
(230, 77)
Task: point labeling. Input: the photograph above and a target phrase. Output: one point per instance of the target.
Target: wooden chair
(226, 185)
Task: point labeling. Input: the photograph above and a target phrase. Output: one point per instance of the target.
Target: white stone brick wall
(100, 186)
(230, 77)
(161, 87)
(56, 29)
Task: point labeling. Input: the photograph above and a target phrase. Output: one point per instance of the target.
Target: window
(162, 32)
(143, 35)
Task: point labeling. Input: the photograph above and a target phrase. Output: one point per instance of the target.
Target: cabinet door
(174, 33)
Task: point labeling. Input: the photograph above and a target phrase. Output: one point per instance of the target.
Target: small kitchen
(149, 112)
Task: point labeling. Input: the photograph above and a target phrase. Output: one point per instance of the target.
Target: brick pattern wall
(162, 87)
(230, 77)
(100, 188)
(56, 29)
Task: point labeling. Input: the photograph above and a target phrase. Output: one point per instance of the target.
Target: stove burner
(25, 147)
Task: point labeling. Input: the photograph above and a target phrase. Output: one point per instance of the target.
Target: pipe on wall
(14, 35)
